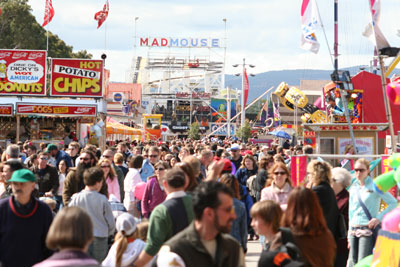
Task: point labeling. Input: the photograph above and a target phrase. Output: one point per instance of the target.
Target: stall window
(327, 146)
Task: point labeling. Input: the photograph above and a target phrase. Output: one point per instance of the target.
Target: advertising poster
(6, 110)
(40, 109)
(223, 130)
(365, 146)
(77, 77)
(310, 139)
(220, 105)
(23, 72)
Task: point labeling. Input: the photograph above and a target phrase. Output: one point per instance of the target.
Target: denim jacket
(371, 200)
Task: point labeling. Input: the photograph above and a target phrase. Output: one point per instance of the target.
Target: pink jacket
(113, 188)
(280, 196)
(153, 195)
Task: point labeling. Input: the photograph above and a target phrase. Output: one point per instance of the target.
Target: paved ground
(253, 253)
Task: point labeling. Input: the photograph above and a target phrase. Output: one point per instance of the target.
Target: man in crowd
(206, 157)
(168, 218)
(236, 157)
(59, 155)
(148, 165)
(206, 242)
(24, 223)
(73, 151)
(123, 149)
(8, 169)
(46, 176)
(31, 149)
(74, 181)
(12, 152)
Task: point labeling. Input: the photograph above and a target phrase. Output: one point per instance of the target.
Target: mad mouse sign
(77, 77)
(22, 72)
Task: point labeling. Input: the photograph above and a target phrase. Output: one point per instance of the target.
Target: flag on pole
(102, 15)
(48, 13)
(378, 39)
(309, 23)
(245, 86)
(277, 115)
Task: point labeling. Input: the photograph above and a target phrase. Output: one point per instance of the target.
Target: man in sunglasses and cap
(24, 223)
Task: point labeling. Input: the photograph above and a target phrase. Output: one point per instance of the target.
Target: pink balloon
(393, 92)
(391, 221)
(139, 190)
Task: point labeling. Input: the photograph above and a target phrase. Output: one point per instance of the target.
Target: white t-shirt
(131, 253)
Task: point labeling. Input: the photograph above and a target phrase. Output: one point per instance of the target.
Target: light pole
(243, 117)
(136, 19)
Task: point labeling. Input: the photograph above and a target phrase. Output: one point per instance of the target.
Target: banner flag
(245, 86)
(102, 15)
(298, 167)
(309, 23)
(48, 13)
(379, 41)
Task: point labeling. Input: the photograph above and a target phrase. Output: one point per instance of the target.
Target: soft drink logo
(81, 110)
(18, 55)
(35, 55)
(5, 54)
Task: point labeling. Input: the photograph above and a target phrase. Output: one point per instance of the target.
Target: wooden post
(18, 127)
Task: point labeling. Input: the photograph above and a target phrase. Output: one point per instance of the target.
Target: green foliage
(20, 30)
(194, 131)
(244, 132)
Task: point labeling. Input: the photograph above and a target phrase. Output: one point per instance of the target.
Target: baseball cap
(51, 147)
(227, 165)
(127, 223)
(264, 147)
(235, 147)
(22, 176)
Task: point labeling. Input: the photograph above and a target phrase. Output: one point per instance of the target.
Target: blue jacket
(239, 225)
(247, 201)
(243, 174)
(62, 155)
(147, 170)
(372, 201)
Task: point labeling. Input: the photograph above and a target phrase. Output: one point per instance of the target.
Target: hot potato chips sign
(22, 72)
(77, 78)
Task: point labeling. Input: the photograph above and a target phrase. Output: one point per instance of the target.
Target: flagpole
(47, 41)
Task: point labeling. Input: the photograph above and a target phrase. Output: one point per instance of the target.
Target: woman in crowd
(154, 192)
(110, 176)
(305, 219)
(341, 179)
(3, 183)
(62, 173)
(248, 168)
(127, 245)
(239, 225)
(279, 186)
(320, 177)
(132, 179)
(183, 153)
(348, 163)
(173, 161)
(190, 174)
(70, 234)
(361, 228)
(262, 176)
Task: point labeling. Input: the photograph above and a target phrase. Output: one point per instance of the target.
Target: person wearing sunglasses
(360, 234)
(154, 192)
(279, 185)
(148, 165)
(110, 177)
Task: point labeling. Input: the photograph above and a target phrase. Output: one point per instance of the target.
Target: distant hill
(263, 81)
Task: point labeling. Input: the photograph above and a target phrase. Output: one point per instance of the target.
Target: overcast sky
(266, 33)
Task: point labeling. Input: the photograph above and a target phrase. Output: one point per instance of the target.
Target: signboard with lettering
(22, 72)
(180, 42)
(51, 109)
(184, 128)
(6, 110)
(194, 95)
(77, 77)
(365, 146)
(224, 130)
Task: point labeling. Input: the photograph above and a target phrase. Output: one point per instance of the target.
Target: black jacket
(327, 199)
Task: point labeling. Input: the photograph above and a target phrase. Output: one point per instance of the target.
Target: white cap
(264, 147)
(235, 147)
(127, 223)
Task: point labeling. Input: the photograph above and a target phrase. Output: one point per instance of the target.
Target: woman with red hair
(305, 219)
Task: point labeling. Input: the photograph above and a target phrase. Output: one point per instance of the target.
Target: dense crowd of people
(182, 203)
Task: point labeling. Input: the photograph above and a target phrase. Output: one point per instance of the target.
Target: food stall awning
(118, 128)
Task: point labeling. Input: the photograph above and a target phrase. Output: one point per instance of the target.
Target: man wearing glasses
(148, 165)
(46, 176)
(74, 181)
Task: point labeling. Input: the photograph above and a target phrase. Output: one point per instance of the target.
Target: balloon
(318, 103)
(139, 190)
(390, 221)
(393, 91)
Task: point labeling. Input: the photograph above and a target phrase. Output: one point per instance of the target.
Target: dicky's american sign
(22, 72)
(77, 78)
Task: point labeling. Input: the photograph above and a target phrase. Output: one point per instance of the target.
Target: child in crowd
(99, 210)
(127, 245)
(143, 227)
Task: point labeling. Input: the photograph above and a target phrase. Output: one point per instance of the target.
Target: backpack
(251, 185)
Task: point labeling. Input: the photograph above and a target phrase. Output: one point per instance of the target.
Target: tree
(20, 30)
(194, 131)
(244, 132)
